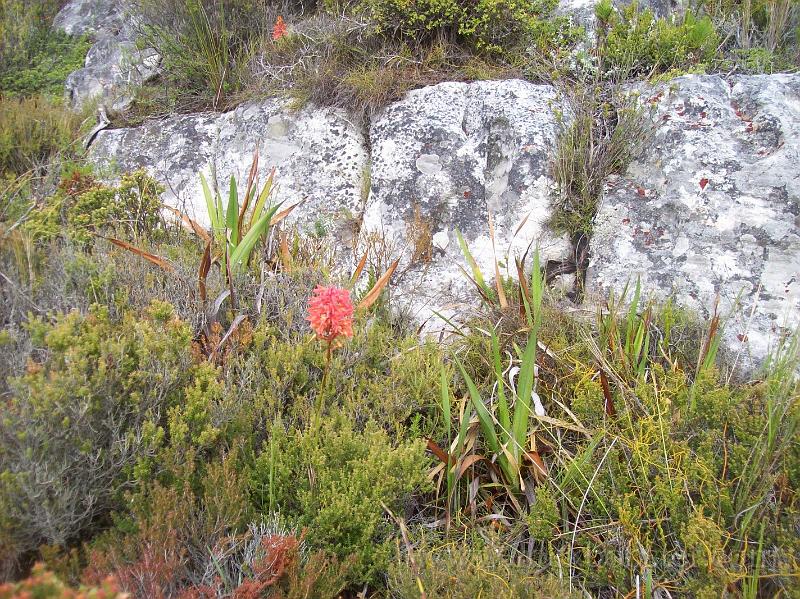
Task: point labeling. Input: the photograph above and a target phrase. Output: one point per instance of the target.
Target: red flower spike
(330, 313)
(279, 30)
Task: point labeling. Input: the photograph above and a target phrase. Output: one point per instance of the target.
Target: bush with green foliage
(490, 26)
(634, 43)
(83, 207)
(336, 481)
(34, 58)
(74, 426)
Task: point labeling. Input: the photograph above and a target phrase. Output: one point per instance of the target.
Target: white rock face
(114, 66)
(713, 208)
(318, 155)
(446, 157)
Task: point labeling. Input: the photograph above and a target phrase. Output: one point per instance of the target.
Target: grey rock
(114, 65)
(78, 17)
(319, 157)
(443, 159)
(712, 209)
(114, 69)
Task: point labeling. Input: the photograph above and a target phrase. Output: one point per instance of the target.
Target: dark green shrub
(74, 426)
(634, 42)
(334, 481)
(34, 58)
(488, 26)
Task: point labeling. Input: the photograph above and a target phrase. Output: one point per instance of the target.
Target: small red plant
(279, 30)
(330, 313)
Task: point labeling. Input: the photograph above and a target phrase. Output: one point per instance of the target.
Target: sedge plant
(505, 425)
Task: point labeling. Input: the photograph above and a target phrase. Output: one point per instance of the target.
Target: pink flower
(330, 313)
(279, 30)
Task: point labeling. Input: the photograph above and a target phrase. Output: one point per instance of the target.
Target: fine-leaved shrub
(633, 42)
(490, 26)
(74, 427)
(335, 481)
(34, 58)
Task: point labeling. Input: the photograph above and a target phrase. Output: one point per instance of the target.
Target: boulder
(114, 66)
(319, 156)
(712, 209)
(444, 159)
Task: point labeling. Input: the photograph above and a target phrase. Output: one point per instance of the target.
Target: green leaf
(232, 215)
(485, 418)
(476, 271)
(262, 198)
(502, 403)
(211, 206)
(241, 252)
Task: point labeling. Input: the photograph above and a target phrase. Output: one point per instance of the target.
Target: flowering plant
(279, 30)
(330, 313)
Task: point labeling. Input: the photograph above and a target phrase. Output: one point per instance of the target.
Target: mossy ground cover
(265, 469)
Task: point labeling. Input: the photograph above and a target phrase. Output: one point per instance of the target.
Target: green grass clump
(446, 569)
(32, 131)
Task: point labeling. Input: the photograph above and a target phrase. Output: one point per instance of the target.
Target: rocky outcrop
(114, 66)
(319, 157)
(713, 208)
(444, 159)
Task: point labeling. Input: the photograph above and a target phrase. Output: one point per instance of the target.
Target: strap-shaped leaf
(232, 215)
(242, 251)
(262, 198)
(211, 206)
(484, 417)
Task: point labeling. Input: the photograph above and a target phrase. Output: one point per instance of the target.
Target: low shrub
(335, 482)
(74, 426)
(34, 58)
(83, 207)
(43, 584)
(487, 26)
(634, 43)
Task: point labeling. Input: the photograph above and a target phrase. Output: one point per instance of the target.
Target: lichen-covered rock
(78, 17)
(319, 156)
(443, 159)
(114, 66)
(713, 208)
